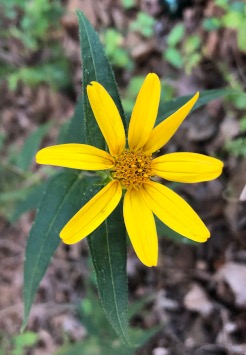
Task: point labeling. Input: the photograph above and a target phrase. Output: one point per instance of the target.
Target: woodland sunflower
(132, 170)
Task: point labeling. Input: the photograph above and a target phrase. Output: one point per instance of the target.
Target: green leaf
(241, 35)
(108, 243)
(27, 153)
(23, 341)
(95, 67)
(211, 24)
(192, 61)
(192, 44)
(143, 24)
(233, 20)
(14, 195)
(176, 35)
(61, 200)
(108, 250)
(173, 56)
(30, 202)
(127, 4)
(168, 107)
(75, 132)
(95, 346)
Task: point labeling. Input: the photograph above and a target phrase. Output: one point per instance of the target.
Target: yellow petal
(76, 156)
(175, 212)
(140, 225)
(92, 214)
(166, 129)
(144, 112)
(107, 117)
(187, 167)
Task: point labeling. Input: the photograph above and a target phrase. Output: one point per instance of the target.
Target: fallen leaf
(234, 275)
(196, 300)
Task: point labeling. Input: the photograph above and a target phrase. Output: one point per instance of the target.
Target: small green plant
(172, 53)
(144, 24)
(114, 49)
(37, 18)
(186, 52)
(54, 74)
(127, 4)
(234, 18)
(33, 25)
(182, 52)
(101, 339)
(18, 344)
(192, 52)
(16, 178)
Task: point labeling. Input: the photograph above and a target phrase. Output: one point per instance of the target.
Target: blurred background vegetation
(191, 45)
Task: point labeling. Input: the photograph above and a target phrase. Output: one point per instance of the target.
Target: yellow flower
(133, 169)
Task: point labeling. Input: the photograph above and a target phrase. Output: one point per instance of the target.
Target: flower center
(132, 169)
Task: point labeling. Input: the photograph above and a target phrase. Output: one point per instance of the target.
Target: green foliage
(222, 3)
(16, 178)
(166, 108)
(108, 251)
(186, 51)
(127, 4)
(33, 25)
(20, 189)
(143, 24)
(237, 147)
(241, 35)
(174, 57)
(109, 257)
(114, 49)
(62, 198)
(18, 344)
(55, 74)
(101, 340)
(234, 18)
(95, 67)
(243, 124)
(172, 53)
(176, 35)
(2, 139)
(23, 341)
(27, 153)
(211, 24)
(182, 51)
(74, 131)
(30, 202)
(192, 52)
(38, 17)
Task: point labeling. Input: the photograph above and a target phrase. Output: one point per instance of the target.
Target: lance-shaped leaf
(31, 201)
(74, 131)
(62, 198)
(107, 244)
(95, 67)
(29, 149)
(168, 107)
(108, 250)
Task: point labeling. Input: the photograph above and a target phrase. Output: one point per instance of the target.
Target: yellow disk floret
(132, 169)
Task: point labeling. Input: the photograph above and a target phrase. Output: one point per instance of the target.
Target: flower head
(133, 168)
